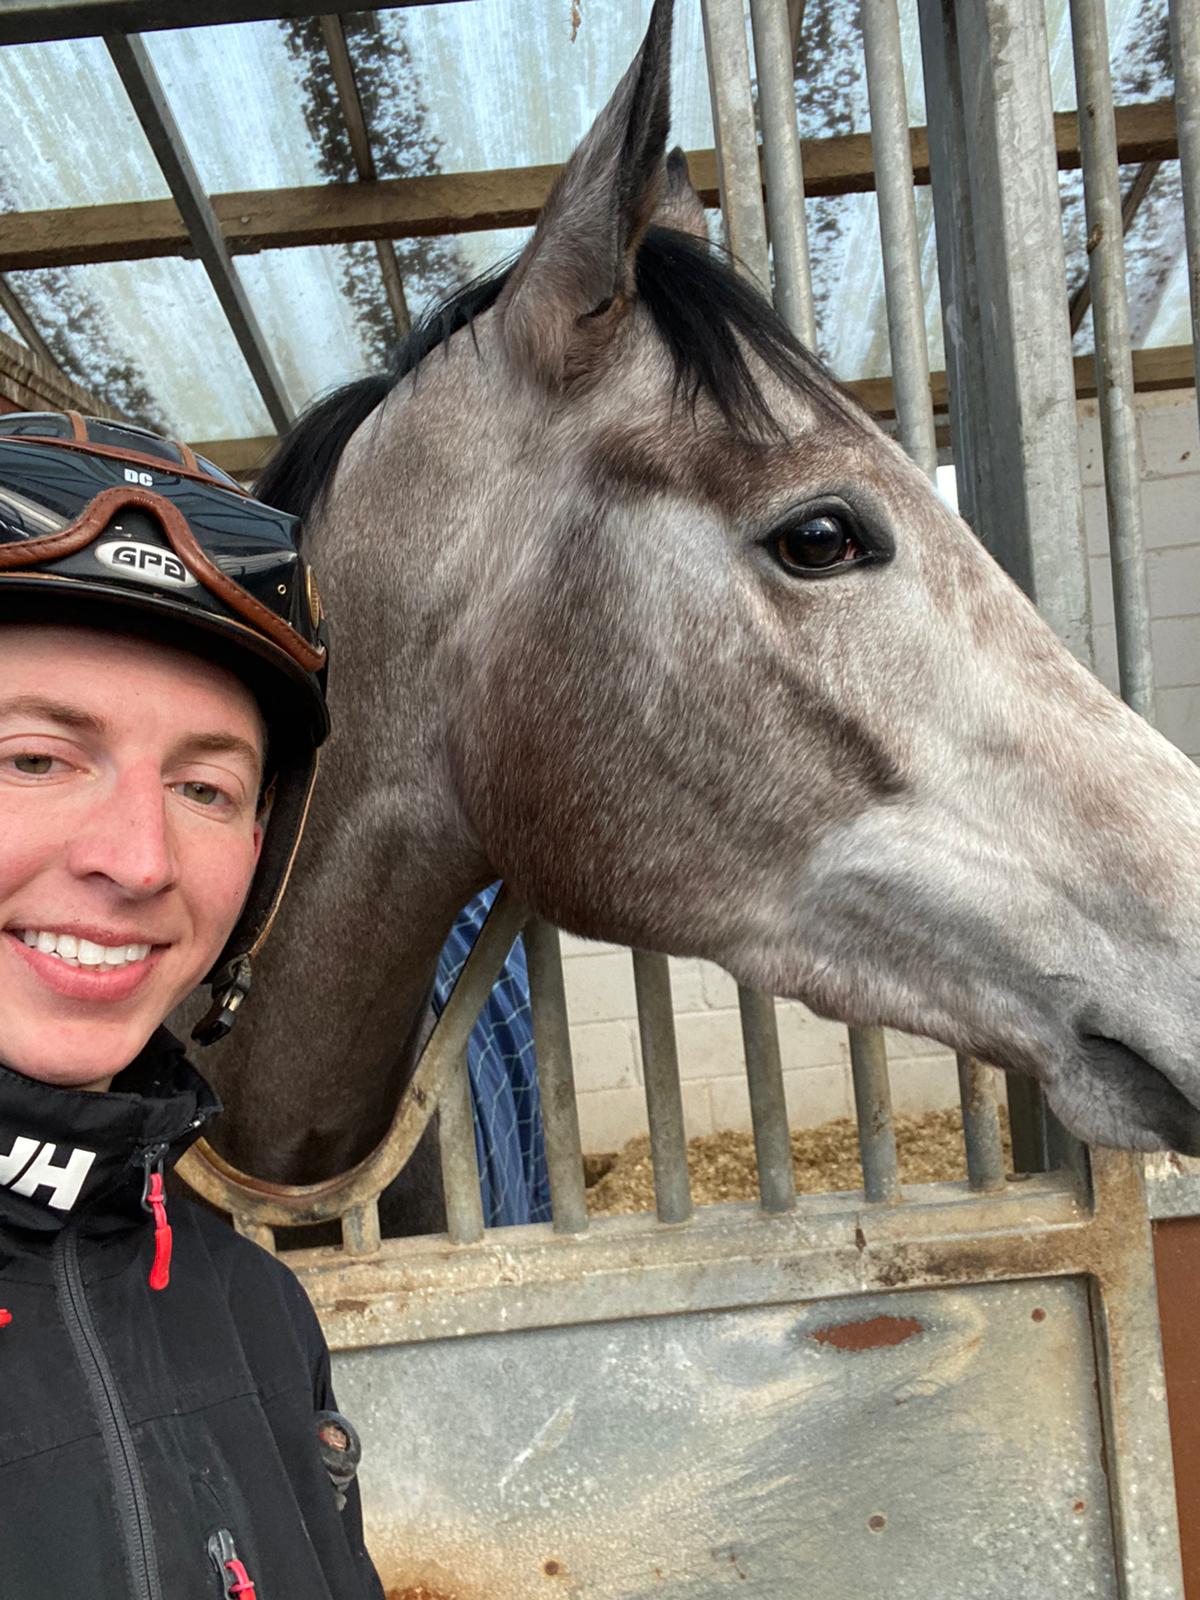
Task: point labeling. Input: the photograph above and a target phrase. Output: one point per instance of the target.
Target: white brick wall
(599, 978)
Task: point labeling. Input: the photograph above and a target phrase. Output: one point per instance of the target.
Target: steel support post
(774, 53)
(1114, 363)
(738, 175)
(1003, 276)
(1185, 49)
(898, 232)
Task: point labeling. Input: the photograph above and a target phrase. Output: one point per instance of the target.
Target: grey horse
(636, 608)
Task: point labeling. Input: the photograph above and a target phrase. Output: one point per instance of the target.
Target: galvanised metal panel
(924, 1446)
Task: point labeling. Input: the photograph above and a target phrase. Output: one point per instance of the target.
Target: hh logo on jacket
(31, 1165)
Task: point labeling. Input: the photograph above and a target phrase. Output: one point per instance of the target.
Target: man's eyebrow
(73, 717)
(220, 744)
(68, 716)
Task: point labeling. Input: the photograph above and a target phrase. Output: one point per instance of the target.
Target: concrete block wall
(599, 978)
(1169, 444)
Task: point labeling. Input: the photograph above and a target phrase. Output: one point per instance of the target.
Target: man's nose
(126, 836)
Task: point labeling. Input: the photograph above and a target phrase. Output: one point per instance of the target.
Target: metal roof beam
(334, 34)
(25, 21)
(457, 202)
(1138, 190)
(146, 94)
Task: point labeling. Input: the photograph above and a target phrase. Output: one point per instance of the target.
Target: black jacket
(151, 1440)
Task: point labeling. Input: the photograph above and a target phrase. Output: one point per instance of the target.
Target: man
(162, 666)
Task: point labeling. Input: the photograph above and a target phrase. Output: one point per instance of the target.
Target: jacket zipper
(132, 1502)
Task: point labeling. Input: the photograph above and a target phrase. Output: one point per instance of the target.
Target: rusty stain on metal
(877, 1523)
(1037, 1314)
(418, 1593)
(1079, 1507)
(876, 1333)
(552, 1568)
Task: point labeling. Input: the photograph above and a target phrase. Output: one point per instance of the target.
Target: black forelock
(707, 315)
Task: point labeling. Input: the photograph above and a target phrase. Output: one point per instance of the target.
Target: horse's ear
(681, 207)
(574, 282)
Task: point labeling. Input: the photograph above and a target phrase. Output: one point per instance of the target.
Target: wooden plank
(24, 21)
(1169, 368)
(459, 202)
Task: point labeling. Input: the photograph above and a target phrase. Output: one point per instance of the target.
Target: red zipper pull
(155, 1201)
(5, 1317)
(240, 1583)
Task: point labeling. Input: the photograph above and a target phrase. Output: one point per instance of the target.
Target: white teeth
(78, 952)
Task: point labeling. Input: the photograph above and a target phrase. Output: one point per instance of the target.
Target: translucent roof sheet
(452, 88)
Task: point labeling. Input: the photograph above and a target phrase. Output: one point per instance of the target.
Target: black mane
(706, 314)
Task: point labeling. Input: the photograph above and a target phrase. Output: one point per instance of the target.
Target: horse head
(637, 608)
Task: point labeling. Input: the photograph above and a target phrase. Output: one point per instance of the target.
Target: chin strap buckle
(230, 987)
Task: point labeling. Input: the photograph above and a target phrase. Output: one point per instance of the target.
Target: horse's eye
(817, 544)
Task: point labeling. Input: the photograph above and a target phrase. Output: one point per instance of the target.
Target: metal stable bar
(768, 1103)
(146, 95)
(664, 1098)
(333, 32)
(738, 175)
(873, 1105)
(460, 1165)
(556, 1078)
(360, 1229)
(979, 1092)
(898, 231)
(1114, 364)
(774, 53)
(1185, 51)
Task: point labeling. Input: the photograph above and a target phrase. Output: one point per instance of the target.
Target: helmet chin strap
(230, 986)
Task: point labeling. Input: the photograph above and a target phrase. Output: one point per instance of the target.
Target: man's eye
(204, 794)
(33, 766)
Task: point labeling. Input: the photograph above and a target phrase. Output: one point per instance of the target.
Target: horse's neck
(314, 1070)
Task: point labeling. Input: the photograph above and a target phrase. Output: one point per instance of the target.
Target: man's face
(129, 779)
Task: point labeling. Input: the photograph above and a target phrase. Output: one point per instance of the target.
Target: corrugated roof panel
(448, 88)
(149, 337)
(501, 83)
(70, 137)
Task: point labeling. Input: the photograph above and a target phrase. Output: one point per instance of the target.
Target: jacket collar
(68, 1153)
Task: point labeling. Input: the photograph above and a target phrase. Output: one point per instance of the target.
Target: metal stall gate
(926, 1393)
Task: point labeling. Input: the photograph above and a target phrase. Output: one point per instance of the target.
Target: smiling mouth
(74, 951)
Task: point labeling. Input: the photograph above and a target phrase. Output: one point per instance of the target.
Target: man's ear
(681, 207)
(573, 284)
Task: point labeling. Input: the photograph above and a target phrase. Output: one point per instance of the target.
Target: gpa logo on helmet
(147, 563)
